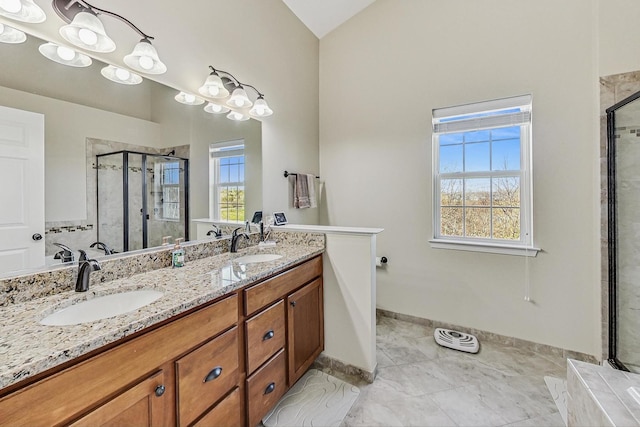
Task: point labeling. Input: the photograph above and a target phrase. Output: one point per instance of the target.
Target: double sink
(116, 304)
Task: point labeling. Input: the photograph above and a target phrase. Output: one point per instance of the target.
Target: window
(226, 172)
(169, 190)
(482, 176)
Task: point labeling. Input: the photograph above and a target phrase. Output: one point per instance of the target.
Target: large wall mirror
(86, 115)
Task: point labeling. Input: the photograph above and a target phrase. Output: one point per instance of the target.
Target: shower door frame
(125, 194)
(612, 230)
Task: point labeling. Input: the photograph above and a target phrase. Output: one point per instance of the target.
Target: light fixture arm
(67, 14)
(236, 81)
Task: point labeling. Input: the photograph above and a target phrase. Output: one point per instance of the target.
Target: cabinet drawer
(206, 374)
(225, 414)
(266, 387)
(265, 293)
(265, 335)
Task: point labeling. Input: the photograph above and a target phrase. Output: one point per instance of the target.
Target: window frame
(524, 246)
(235, 148)
(161, 185)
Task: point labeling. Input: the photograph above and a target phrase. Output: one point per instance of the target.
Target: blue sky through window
(478, 151)
(231, 169)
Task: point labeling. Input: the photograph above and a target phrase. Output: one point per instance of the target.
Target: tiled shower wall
(80, 234)
(613, 89)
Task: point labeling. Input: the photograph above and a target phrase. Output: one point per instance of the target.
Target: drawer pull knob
(160, 390)
(293, 303)
(215, 373)
(270, 388)
(268, 335)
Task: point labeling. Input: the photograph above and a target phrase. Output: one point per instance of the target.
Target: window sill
(495, 248)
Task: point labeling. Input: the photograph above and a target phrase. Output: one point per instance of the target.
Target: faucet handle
(83, 256)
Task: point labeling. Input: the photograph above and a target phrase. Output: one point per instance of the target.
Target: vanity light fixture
(22, 10)
(213, 87)
(216, 108)
(237, 116)
(120, 75)
(217, 86)
(188, 99)
(239, 98)
(86, 31)
(144, 58)
(260, 108)
(64, 55)
(11, 35)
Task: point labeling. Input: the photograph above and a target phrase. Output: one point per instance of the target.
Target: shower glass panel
(623, 163)
(111, 200)
(166, 202)
(141, 198)
(134, 199)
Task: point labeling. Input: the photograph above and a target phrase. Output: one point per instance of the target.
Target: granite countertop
(28, 348)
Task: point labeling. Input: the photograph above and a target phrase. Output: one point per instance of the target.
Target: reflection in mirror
(86, 115)
(141, 199)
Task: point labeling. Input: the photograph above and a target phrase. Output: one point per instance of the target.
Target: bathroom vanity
(221, 347)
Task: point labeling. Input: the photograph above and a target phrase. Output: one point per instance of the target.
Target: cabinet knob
(37, 237)
(293, 303)
(160, 390)
(268, 335)
(270, 388)
(215, 373)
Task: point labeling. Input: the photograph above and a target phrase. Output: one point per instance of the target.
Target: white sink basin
(101, 308)
(248, 259)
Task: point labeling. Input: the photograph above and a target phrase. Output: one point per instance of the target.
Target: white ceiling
(323, 16)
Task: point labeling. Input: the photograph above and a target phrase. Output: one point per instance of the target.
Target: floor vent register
(456, 340)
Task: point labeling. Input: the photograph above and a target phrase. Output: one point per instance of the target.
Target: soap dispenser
(177, 255)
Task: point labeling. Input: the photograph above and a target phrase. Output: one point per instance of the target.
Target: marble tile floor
(420, 383)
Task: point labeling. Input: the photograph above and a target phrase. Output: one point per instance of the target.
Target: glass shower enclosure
(623, 166)
(141, 198)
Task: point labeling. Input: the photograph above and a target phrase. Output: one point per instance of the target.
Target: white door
(21, 189)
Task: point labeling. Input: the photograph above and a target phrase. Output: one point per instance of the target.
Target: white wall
(619, 36)
(383, 72)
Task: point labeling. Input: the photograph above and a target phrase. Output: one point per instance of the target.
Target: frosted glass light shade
(86, 31)
(144, 58)
(64, 55)
(237, 116)
(213, 87)
(189, 99)
(215, 108)
(239, 98)
(11, 35)
(120, 75)
(260, 108)
(22, 10)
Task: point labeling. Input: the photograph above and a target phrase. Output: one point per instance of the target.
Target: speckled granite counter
(28, 348)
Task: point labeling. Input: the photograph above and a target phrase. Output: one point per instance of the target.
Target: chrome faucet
(84, 269)
(235, 236)
(216, 231)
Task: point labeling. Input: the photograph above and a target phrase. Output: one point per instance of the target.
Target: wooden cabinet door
(140, 405)
(305, 333)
